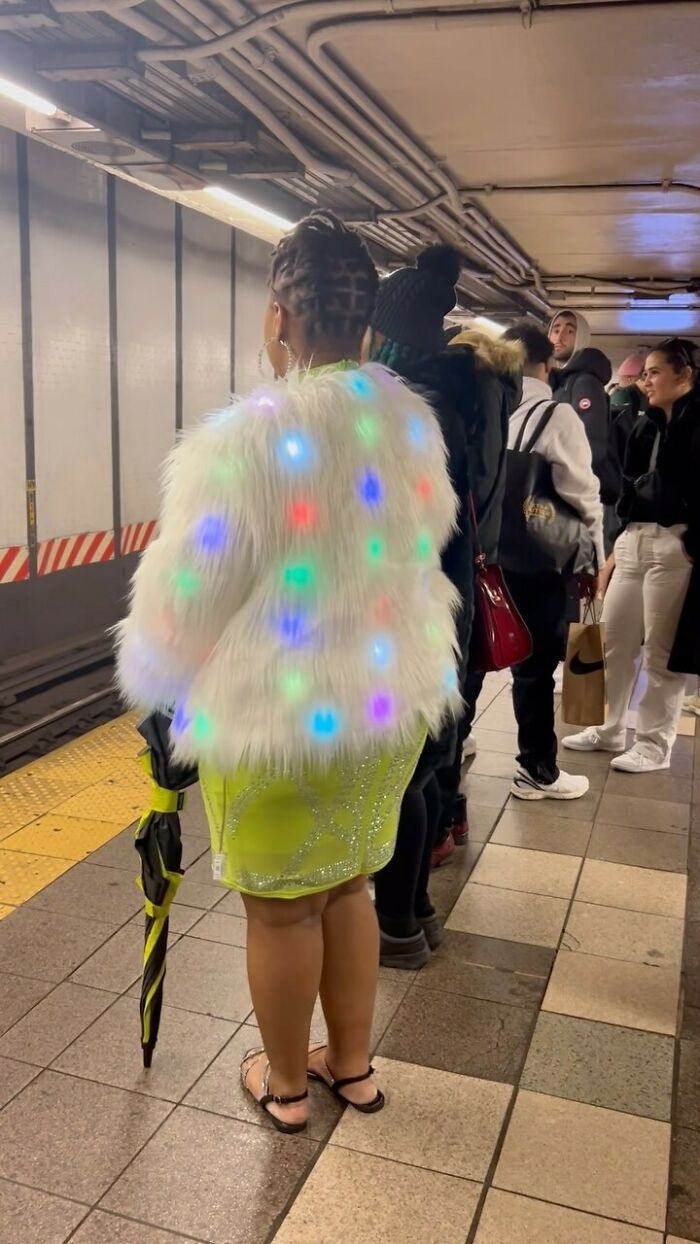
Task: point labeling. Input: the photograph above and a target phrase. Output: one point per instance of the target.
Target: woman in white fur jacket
(293, 615)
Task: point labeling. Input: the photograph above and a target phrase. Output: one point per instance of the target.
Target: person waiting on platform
(650, 568)
(294, 611)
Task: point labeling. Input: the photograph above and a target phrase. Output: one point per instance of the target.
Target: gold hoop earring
(280, 342)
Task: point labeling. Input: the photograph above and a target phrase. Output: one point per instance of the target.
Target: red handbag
(499, 638)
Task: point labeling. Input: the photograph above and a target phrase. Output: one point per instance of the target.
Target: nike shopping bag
(583, 698)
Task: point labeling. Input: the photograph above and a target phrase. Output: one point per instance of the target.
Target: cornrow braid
(323, 274)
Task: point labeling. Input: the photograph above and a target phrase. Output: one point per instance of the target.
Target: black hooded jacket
(582, 384)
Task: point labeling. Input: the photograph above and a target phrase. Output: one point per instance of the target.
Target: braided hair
(323, 274)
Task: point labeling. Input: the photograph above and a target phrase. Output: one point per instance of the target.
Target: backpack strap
(523, 427)
(541, 425)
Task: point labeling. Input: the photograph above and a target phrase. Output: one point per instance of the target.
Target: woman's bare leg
(285, 959)
(349, 984)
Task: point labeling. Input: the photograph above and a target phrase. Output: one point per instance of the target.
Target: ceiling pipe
(666, 185)
(109, 7)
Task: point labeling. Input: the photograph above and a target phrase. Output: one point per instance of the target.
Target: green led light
(293, 685)
(424, 546)
(432, 631)
(202, 729)
(186, 583)
(367, 428)
(300, 576)
(376, 549)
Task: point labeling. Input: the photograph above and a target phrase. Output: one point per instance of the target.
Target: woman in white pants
(650, 567)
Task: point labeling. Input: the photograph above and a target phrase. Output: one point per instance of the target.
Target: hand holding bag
(583, 691)
(500, 638)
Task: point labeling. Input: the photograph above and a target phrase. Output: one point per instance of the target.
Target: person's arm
(565, 445)
(192, 578)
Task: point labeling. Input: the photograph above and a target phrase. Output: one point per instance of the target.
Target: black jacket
(626, 405)
(582, 384)
(670, 494)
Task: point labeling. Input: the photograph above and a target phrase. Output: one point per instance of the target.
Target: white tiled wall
(146, 344)
(70, 316)
(206, 316)
(13, 526)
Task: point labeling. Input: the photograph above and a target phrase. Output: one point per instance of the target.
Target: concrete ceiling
(557, 142)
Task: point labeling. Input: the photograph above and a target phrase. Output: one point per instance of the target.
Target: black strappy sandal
(336, 1087)
(289, 1129)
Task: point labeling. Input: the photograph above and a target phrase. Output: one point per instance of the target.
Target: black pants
(543, 605)
(401, 888)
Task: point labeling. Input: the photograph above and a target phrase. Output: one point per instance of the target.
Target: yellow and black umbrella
(159, 844)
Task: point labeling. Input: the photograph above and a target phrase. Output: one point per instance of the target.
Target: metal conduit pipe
(665, 186)
(109, 7)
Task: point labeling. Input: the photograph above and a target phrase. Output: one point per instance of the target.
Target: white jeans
(642, 607)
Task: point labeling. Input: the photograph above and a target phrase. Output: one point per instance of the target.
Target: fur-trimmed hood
(505, 357)
(293, 608)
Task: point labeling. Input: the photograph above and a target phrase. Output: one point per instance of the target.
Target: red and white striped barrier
(14, 564)
(84, 549)
(137, 536)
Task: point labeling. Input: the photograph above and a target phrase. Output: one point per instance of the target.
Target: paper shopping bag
(583, 692)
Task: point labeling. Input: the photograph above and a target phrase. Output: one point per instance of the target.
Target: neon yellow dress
(283, 836)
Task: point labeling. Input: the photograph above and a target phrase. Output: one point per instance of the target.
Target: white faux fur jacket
(292, 609)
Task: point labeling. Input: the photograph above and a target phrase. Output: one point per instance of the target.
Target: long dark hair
(680, 352)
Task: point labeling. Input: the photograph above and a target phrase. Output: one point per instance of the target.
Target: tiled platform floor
(536, 1069)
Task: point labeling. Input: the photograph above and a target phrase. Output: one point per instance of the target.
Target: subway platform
(543, 1072)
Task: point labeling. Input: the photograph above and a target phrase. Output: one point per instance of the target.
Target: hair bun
(442, 262)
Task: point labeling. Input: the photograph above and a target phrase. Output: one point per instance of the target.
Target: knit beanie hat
(412, 303)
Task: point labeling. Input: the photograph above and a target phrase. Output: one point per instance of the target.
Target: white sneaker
(637, 761)
(589, 740)
(567, 786)
(469, 747)
(692, 705)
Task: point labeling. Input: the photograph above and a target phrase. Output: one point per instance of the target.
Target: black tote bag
(541, 534)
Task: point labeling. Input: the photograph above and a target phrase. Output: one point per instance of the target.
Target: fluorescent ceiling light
(250, 209)
(492, 325)
(11, 91)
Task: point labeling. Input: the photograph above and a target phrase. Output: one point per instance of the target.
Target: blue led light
(360, 385)
(295, 451)
(211, 533)
(451, 679)
(324, 723)
(181, 720)
(370, 489)
(293, 628)
(382, 651)
(417, 432)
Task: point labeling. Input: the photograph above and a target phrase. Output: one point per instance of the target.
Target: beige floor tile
(617, 934)
(496, 740)
(641, 848)
(511, 1219)
(101, 1228)
(54, 1023)
(29, 1215)
(549, 833)
(212, 1178)
(579, 1155)
(46, 945)
(110, 1052)
(614, 992)
(18, 994)
(104, 894)
(423, 1124)
(634, 889)
(583, 809)
(481, 821)
(216, 927)
(489, 792)
(14, 1076)
(687, 727)
(209, 978)
(534, 872)
(508, 914)
(351, 1198)
(230, 904)
(117, 964)
(675, 1239)
(492, 764)
(390, 995)
(73, 1137)
(659, 814)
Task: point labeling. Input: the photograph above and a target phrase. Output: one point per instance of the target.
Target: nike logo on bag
(577, 666)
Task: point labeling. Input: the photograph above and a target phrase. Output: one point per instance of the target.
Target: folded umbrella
(159, 844)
